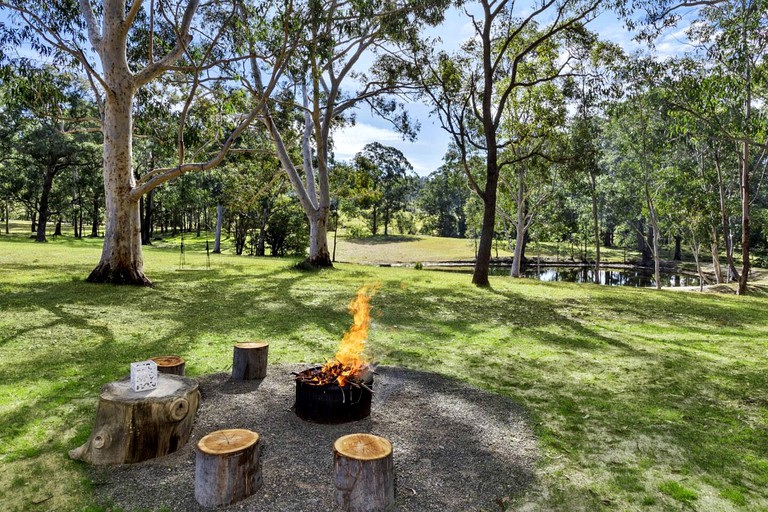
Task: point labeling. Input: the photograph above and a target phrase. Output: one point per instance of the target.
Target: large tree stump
(173, 365)
(249, 361)
(135, 426)
(227, 467)
(364, 473)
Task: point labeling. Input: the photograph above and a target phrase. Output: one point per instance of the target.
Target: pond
(624, 276)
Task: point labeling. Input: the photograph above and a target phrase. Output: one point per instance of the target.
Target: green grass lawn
(641, 400)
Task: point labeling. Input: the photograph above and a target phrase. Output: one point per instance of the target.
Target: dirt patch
(456, 448)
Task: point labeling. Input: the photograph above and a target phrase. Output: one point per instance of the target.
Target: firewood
(227, 467)
(173, 365)
(364, 473)
(135, 426)
(250, 361)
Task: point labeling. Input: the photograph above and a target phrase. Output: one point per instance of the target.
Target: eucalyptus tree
(337, 40)
(732, 38)
(532, 123)
(718, 156)
(584, 152)
(471, 88)
(640, 155)
(592, 90)
(124, 45)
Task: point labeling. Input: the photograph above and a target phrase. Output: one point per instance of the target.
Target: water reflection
(637, 277)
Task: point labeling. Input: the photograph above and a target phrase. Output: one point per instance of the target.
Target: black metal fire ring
(331, 403)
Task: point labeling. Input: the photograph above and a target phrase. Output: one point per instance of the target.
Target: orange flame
(350, 354)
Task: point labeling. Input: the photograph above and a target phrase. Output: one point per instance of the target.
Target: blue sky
(426, 153)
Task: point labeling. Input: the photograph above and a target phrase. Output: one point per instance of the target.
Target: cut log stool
(250, 361)
(364, 473)
(173, 365)
(132, 426)
(227, 467)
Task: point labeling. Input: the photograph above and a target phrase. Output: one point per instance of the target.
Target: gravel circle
(455, 447)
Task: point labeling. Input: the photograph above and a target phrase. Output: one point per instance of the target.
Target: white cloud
(425, 155)
(350, 140)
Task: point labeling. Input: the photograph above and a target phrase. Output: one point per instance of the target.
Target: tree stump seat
(364, 473)
(133, 426)
(249, 361)
(227, 467)
(173, 365)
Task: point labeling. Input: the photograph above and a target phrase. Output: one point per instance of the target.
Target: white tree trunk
(520, 226)
(219, 220)
(319, 256)
(121, 257)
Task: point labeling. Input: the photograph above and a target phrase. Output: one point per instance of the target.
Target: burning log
(250, 361)
(364, 473)
(135, 426)
(173, 365)
(227, 467)
(320, 398)
(340, 390)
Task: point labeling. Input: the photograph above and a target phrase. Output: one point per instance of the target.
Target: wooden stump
(135, 426)
(227, 467)
(173, 365)
(250, 361)
(364, 473)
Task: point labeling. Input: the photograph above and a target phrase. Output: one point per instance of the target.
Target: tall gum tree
(337, 40)
(469, 90)
(732, 36)
(97, 35)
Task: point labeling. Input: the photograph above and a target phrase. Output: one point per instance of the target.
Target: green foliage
(287, 232)
(380, 184)
(678, 491)
(443, 197)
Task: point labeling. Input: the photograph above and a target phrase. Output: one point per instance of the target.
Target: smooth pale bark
(520, 226)
(715, 251)
(319, 255)
(742, 289)
(696, 251)
(654, 224)
(316, 208)
(121, 258)
(733, 273)
(121, 261)
(219, 221)
(595, 225)
(744, 216)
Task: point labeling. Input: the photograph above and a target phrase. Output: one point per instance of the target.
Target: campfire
(340, 390)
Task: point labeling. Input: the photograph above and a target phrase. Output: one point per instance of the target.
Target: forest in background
(558, 136)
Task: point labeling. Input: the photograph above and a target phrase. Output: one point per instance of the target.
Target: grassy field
(641, 400)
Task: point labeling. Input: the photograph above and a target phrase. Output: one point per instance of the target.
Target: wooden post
(173, 365)
(135, 426)
(227, 467)
(250, 361)
(364, 473)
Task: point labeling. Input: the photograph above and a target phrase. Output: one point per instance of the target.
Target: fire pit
(332, 403)
(340, 390)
